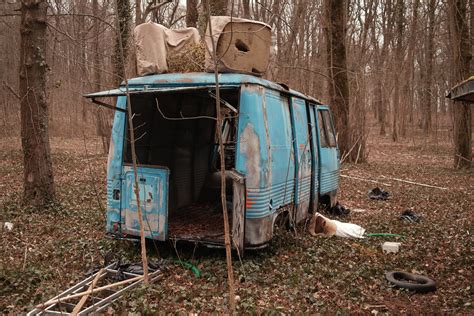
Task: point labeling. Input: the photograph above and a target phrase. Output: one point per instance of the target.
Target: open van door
(153, 194)
(329, 153)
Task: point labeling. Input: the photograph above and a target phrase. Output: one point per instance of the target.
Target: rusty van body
(280, 152)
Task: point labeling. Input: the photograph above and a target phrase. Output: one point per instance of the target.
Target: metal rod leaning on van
(228, 250)
(134, 157)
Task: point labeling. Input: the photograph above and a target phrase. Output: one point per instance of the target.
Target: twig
(24, 257)
(8, 87)
(228, 250)
(182, 118)
(416, 183)
(367, 180)
(83, 300)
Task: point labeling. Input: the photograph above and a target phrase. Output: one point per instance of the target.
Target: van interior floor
(197, 222)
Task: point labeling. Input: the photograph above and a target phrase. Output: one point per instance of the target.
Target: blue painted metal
(302, 148)
(328, 162)
(311, 108)
(281, 149)
(114, 169)
(153, 195)
(252, 155)
(278, 151)
(197, 79)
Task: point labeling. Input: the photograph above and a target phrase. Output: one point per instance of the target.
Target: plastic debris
(384, 235)
(410, 216)
(8, 226)
(320, 225)
(391, 247)
(379, 194)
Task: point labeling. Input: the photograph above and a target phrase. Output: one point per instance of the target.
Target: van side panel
(315, 156)
(302, 149)
(281, 149)
(328, 163)
(252, 160)
(114, 168)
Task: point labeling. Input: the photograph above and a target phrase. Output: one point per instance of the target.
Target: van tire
(423, 284)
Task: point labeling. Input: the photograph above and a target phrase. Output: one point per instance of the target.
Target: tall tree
(38, 169)
(460, 64)
(123, 35)
(218, 7)
(335, 30)
(192, 13)
(428, 82)
(400, 24)
(101, 120)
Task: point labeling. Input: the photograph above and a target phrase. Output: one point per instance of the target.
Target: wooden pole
(228, 249)
(134, 160)
(83, 300)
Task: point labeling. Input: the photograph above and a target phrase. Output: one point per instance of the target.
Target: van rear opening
(177, 131)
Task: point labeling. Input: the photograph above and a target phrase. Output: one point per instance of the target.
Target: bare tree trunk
(246, 5)
(411, 60)
(101, 127)
(381, 106)
(139, 19)
(123, 15)
(191, 13)
(335, 30)
(397, 68)
(461, 58)
(38, 169)
(218, 7)
(428, 95)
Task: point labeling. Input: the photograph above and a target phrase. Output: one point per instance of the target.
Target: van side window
(326, 130)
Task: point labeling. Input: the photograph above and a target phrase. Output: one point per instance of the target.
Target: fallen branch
(83, 300)
(367, 180)
(416, 183)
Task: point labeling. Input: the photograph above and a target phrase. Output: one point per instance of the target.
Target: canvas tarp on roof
(154, 43)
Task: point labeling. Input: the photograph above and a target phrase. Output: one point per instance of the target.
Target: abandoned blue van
(281, 157)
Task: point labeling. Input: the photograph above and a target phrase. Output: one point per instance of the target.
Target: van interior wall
(187, 147)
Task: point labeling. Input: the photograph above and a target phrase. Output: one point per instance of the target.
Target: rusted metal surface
(238, 211)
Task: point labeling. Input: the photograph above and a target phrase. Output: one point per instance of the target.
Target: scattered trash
(8, 226)
(124, 268)
(409, 215)
(339, 210)
(320, 225)
(414, 282)
(359, 210)
(391, 247)
(379, 194)
(190, 266)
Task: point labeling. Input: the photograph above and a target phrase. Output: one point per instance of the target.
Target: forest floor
(48, 251)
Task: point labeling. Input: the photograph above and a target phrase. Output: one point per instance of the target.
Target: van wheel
(419, 283)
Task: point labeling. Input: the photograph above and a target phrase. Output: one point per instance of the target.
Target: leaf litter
(48, 251)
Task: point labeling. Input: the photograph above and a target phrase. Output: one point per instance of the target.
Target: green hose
(385, 235)
(190, 266)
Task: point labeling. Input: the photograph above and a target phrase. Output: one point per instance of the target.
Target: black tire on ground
(399, 279)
